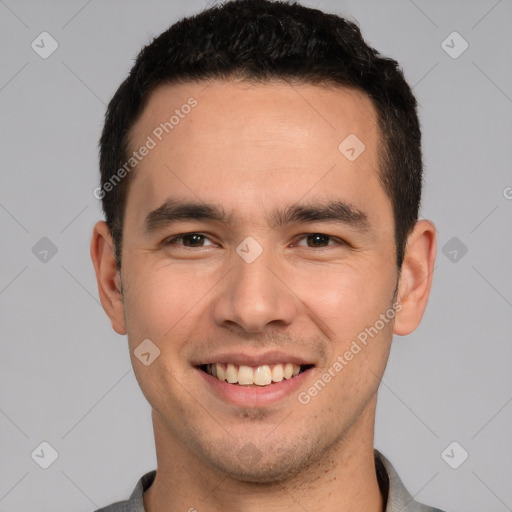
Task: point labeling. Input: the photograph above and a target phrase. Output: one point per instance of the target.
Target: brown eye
(188, 240)
(316, 240)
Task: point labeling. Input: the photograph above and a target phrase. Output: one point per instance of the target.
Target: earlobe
(108, 276)
(416, 277)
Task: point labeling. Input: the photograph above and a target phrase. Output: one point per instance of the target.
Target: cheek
(348, 298)
(164, 305)
(161, 301)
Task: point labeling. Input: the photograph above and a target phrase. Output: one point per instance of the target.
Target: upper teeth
(260, 375)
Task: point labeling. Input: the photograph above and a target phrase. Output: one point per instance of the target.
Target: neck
(342, 480)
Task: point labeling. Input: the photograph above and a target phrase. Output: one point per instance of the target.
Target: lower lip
(254, 396)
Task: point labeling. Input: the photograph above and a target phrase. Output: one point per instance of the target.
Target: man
(261, 178)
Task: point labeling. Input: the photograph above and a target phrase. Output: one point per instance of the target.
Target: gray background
(65, 376)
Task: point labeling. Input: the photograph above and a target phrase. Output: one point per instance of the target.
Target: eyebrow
(326, 211)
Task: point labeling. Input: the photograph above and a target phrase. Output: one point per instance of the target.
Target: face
(255, 246)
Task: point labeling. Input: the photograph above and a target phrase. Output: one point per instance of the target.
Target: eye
(188, 240)
(317, 240)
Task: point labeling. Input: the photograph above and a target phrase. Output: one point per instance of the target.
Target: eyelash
(172, 240)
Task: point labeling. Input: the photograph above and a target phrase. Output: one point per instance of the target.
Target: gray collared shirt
(396, 496)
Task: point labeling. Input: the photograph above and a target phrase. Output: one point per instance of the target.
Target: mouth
(254, 376)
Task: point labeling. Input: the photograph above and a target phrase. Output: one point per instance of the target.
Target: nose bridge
(254, 294)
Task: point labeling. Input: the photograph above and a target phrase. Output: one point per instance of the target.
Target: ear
(107, 275)
(416, 277)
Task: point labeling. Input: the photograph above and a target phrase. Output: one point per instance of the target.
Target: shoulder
(119, 506)
(398, 497)
(136, 502)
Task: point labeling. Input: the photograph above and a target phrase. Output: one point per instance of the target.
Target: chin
(274, 466)
(262, 474)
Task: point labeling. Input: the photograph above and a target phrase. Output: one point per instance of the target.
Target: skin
(254, 148)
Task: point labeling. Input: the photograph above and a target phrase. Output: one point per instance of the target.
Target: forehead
(282, 108)
(231, 140)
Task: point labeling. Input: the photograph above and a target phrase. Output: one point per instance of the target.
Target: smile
(262, 375)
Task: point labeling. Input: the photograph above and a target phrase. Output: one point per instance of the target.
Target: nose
(255, 295)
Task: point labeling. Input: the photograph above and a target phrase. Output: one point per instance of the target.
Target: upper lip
(244, 358)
